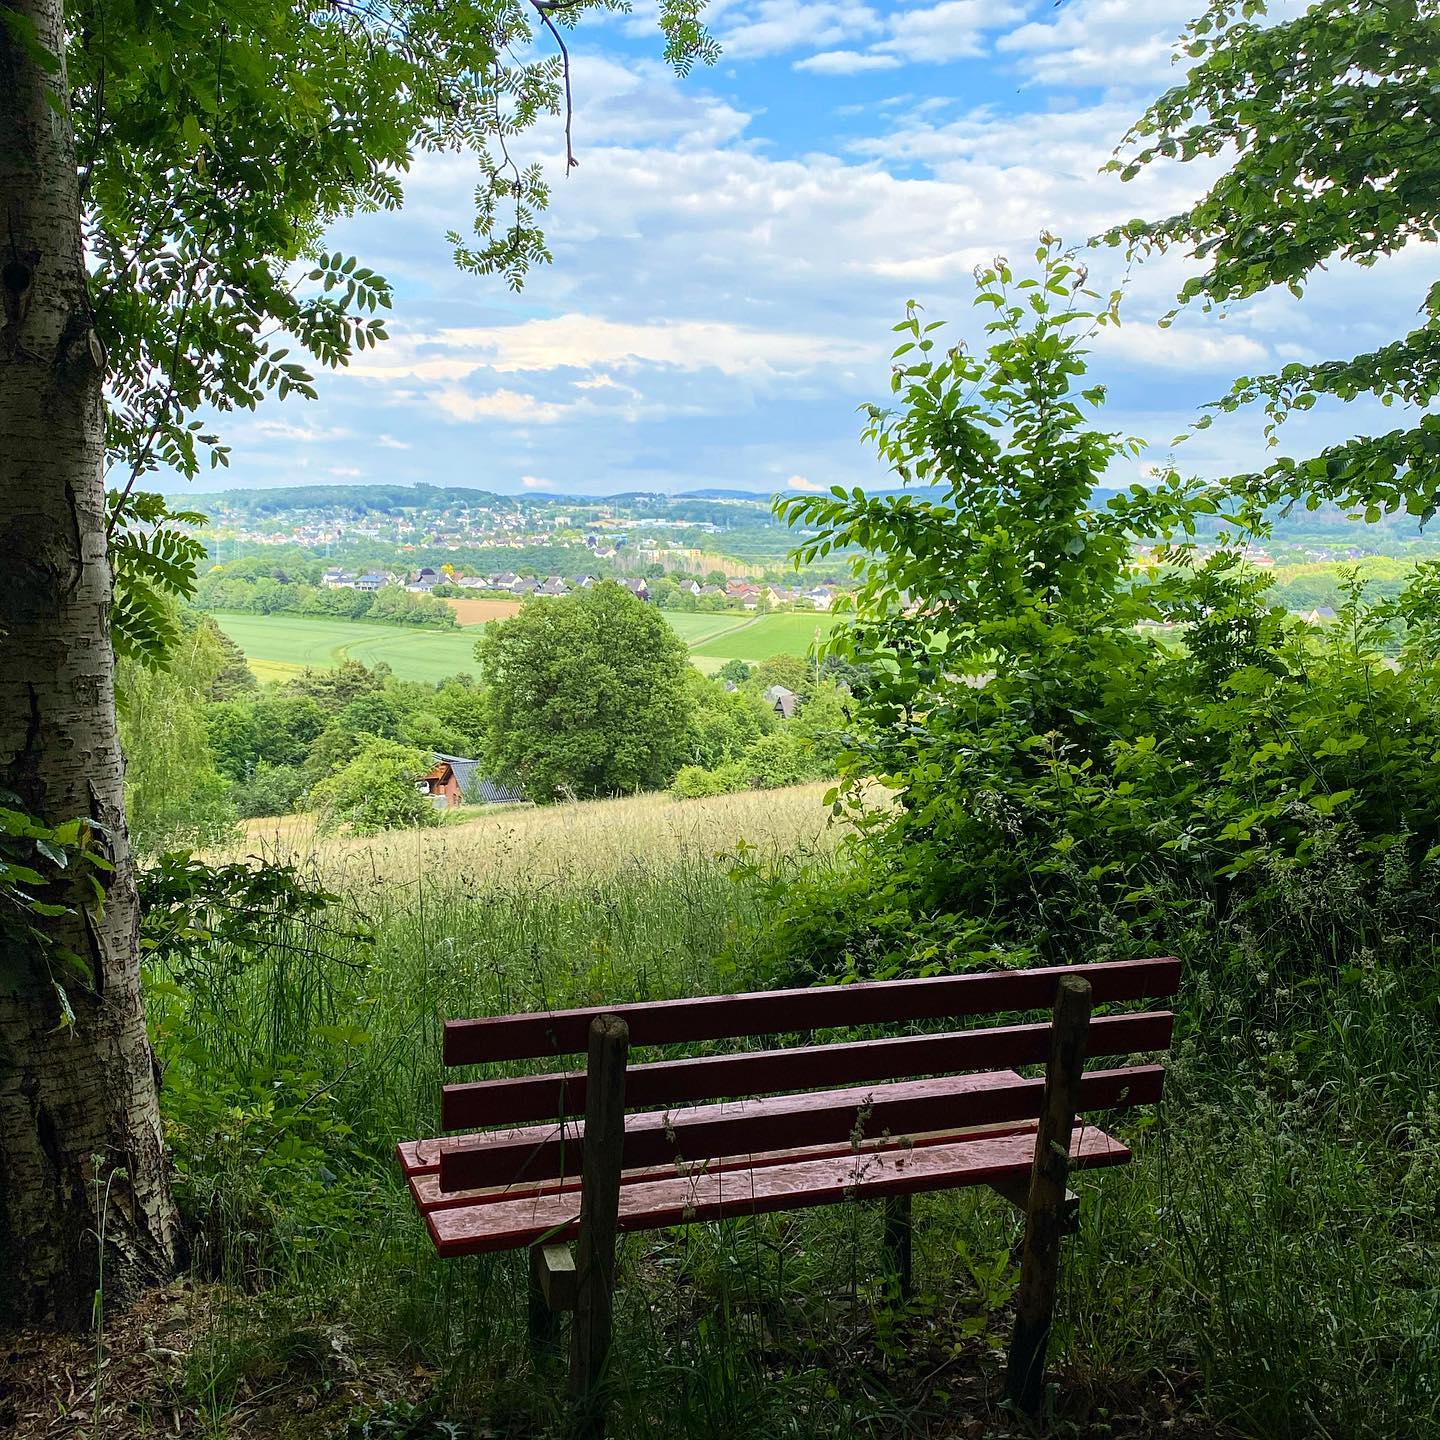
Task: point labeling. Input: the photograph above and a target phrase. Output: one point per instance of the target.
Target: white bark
(77, 1106)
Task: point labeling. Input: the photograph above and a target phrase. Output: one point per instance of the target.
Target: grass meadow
(279, 646)
(1265, 1268)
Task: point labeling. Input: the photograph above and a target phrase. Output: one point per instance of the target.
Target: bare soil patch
(480, 612)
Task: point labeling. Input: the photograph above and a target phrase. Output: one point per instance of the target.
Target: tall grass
(1274, 1249)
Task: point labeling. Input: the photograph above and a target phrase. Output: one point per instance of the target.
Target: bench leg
(1045, 1211)
(551, 1291)
(601, 1163)
(899, 1245)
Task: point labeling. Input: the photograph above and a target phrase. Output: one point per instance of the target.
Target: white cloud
(588, 342)
(389, 442)
(803, 482)
(499, 404)
(951, 30)
(345, 472)
(1180, 348)
(535, 482)
(301, 434)
(846, 62)
(774, 26)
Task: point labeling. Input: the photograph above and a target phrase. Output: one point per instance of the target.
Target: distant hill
(359, 499)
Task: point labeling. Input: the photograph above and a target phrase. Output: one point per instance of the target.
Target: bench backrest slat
(659, 1137)
(773, 1012)
(531, 1098)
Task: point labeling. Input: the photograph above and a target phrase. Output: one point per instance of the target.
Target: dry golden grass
(479, 612)
(555, 842)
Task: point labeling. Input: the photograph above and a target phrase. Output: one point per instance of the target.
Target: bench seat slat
(422, 1157)
(426, 1192)
(777, 1123)
(773, 1012)
(676, 1082)
(648, 1205)
(534, 1155)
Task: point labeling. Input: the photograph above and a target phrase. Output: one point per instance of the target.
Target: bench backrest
(835, 1072)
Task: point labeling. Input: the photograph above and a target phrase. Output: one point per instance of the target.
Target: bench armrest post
(1045, 1211)
(601, 1164)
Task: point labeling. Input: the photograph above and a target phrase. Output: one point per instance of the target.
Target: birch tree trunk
(78, 1107)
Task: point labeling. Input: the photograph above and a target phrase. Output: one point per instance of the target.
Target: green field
(277, 645)
(280, 645)
(761, 637)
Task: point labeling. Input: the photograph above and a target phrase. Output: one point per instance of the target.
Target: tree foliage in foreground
(1330, 117)
(586, 695)
(1069, 783)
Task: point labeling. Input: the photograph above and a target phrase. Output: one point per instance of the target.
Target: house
(690, 587)
(782, 595)
(820, 597)
(442, 785)
(473, 582)
(337, 579)
(784, 702)
(371, 581)
(525, 585)
(423, 584)
(1321, 615)
(582, 582)
(553, 586)
(504, 581)
(454, 780)
(638, 588)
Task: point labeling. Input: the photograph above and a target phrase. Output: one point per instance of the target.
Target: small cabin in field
(453, 780)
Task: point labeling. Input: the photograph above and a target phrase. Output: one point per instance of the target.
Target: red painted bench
(708, 1138)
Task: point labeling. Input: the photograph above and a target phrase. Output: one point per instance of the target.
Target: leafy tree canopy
(1330, 118)
(586, 695)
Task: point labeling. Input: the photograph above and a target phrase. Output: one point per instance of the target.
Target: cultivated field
(278, 646)
(478, 612)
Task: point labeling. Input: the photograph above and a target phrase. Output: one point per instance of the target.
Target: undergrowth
(1275, 1240)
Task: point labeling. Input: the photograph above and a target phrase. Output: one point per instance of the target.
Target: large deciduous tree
(78, 1107)
(586, 695)
(167, 174)
(1328, 119)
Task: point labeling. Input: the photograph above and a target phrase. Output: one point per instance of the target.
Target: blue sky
(734, 247)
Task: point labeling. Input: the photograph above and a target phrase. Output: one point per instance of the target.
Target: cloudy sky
(734, 247)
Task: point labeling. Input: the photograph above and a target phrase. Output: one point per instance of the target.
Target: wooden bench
(715, 1136)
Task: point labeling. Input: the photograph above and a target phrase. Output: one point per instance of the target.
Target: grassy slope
(279, 645)
(1267, 1244)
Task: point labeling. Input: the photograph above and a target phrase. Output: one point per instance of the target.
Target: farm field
(477, 612)
(281, 645)
(786, 633)
(278, 646)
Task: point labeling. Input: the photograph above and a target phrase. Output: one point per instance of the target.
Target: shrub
(271, 790)
(376, 791)
(693, 782)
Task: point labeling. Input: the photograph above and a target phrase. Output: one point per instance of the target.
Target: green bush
(376, 791)
(271, 790)
(694, 782)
